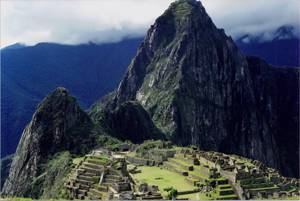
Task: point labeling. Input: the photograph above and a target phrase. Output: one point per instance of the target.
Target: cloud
(81, 21)
(240, 17)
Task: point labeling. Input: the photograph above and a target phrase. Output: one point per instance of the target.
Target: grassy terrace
(224, 186)
(195, 172)
(195, 168)
(102, 160)
(15, 199)
(263, 189)
(162, 178)
(195, 196)
(292, 198)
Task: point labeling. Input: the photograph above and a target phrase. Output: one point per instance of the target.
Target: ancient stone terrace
(251, 178)
(186, 163)
(149, 169)
(99, 176)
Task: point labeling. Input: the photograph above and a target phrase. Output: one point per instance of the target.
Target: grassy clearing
(194, 196)
(194, 166)
(15, 199)
(292, 198)
(27, 199)
(162, 178)
(102, 160)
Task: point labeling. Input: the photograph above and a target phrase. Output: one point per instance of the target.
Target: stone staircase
(85, 179)
(94, 181)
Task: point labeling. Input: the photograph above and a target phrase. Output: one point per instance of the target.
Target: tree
(172, 193)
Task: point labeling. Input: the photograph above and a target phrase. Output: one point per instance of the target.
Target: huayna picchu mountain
(199, 88)
(58, 125)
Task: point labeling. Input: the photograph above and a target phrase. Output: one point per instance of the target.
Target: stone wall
(230, 175)
(140, 161)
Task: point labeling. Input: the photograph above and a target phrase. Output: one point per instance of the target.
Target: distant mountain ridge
(28, 73)
(280, 49)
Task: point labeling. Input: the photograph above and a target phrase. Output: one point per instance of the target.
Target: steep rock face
(58, 124)
(277, 99)
(128, 121)
(200, 89)
(5, 166)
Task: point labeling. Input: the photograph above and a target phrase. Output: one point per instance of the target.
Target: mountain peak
(57, 101)
(285, 32)
(183, 9)
(61, 91)
(198, 87)
(185, 6)
(59, 124)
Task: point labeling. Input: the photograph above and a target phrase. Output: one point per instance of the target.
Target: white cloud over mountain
(81, 21)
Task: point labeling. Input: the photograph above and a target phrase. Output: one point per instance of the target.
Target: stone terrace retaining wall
(188, 192)
(140, 161)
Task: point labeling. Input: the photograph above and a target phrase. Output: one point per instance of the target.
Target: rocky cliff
(58, 125)
(128, 121)
(198, 88)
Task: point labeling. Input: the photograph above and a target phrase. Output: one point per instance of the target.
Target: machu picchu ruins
(148, 171)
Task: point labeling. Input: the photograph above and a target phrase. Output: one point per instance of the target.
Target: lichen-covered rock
(198, 88)
(58, 124)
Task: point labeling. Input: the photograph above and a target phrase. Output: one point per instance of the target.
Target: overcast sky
(81, 21)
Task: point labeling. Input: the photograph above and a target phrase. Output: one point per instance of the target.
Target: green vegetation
(166, 179)
(176, 177)
(108, 142)
(56, 172)
(100, 160)
(77, 160)
(152, 144)
(16, 199)
(172, 193)
(292, 198)
(183, 8)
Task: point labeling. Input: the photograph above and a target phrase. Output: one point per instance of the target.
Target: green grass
(99, 160)
(194, 166)
(195, 196)
(15, 199)
(292, 198)
(76, 161)
(262, 189)
(56, 173)
(162, 178)
(27, 199)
